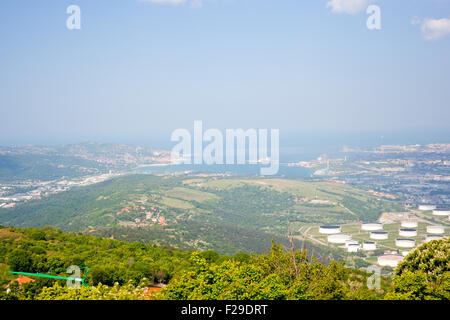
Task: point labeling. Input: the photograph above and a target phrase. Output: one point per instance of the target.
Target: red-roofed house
(20, 280)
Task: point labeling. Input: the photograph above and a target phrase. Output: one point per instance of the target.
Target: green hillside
(228, 215)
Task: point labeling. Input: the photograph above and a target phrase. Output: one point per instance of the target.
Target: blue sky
(140, 69)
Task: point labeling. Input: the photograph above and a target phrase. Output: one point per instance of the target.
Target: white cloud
(348, 6)
(433, 29)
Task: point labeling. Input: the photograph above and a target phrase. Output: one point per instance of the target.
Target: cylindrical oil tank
(409, 224)
(426, 207)
(329, 229)
(404, 232)
(389, 260)
(379, 235)
(369, 245)
(436, 229)
(339, 238)
(353, 247)
(372, 226)
(431, 237)
(349, 242)
(441, 213)
(405, 252)
(405, 243)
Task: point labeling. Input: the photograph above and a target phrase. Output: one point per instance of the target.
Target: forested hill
(49, 249)
(225, 215)
(124, 270)
(131, 266)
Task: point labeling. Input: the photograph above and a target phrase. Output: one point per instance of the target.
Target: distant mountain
(75, 160)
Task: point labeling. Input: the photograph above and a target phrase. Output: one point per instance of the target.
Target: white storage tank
(389, 260)
(405, 252)
(349, 242)
(409, 224)
(426, 207)
(407, 232)
(339, 238)
(379, 235)
(353, 247)
(405, 243)
(329, 229)
(431, 237)
(372, 226)
(369, 245)
(436, 229)
(441, 213)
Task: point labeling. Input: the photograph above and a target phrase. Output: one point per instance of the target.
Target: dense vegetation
(270, 276)
(424, 273)
(124, 270)
(109, 261)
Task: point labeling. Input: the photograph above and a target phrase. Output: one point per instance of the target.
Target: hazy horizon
(315, 142)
